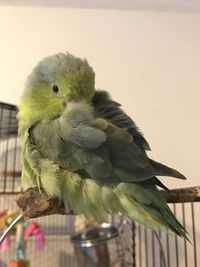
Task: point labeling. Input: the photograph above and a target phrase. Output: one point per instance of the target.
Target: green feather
(81, 147)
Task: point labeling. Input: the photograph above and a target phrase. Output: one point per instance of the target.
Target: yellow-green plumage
(81, 147)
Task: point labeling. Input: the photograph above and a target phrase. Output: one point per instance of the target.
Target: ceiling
(165, 5)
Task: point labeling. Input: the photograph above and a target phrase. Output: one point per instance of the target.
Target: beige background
(149, 61)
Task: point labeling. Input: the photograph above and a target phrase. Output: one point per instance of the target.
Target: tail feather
(163, 170)
(145, 204)
(159, 183)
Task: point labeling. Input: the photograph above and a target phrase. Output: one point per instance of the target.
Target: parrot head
(54, 82)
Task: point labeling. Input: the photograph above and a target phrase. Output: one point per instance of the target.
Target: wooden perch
(182, 195)
(35, 203)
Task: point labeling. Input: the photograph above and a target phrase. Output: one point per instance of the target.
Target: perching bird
(80, 146)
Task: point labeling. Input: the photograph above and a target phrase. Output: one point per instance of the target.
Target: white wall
(149, 61)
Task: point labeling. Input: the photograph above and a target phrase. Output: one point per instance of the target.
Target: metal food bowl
(99, 246)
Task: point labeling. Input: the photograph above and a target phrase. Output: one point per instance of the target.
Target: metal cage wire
(167, 250)
(9, 150)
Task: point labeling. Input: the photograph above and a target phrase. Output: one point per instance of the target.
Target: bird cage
(160, 249)
(9, 150)
(142, 247)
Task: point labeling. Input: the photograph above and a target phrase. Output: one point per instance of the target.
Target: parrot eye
(55, 88)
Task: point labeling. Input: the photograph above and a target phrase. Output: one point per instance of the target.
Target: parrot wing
(92, 147)
(122, 177)
(95, 147)
(110, 110)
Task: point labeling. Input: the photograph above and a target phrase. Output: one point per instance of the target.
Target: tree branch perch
(34, 203)
(182, 195)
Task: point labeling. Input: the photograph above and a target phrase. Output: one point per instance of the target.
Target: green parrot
(80, 146)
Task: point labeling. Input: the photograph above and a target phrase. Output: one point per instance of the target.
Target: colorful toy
(21, 231)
